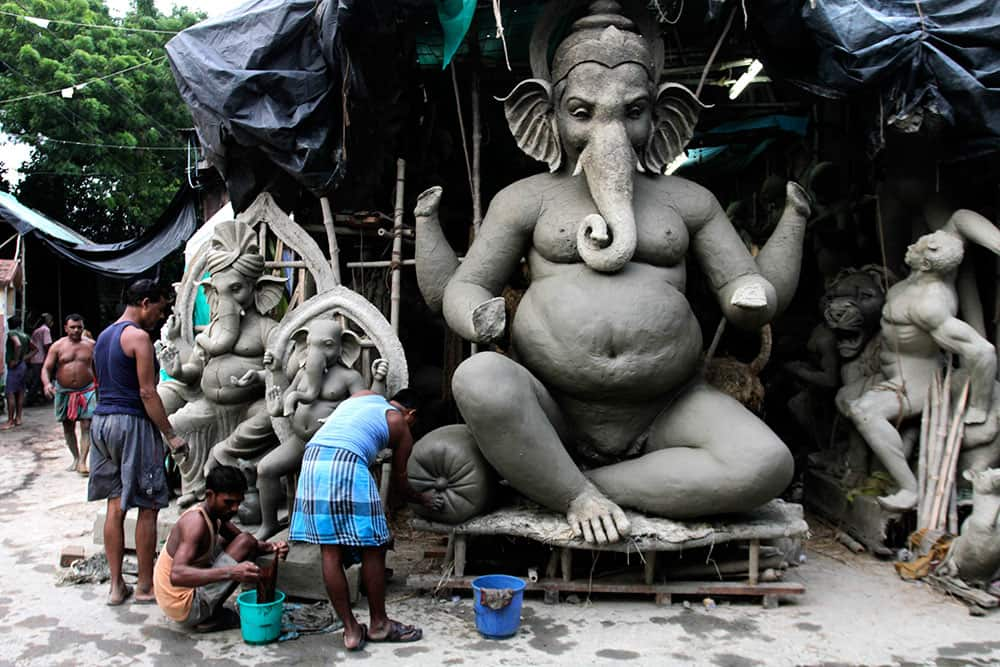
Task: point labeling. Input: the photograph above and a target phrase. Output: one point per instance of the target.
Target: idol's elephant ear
(531, 119)
(298, 354)
(675, 114)
(350, 347)
(211, 294)
(270, 290)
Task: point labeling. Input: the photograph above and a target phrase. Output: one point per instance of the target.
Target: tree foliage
(108, 194)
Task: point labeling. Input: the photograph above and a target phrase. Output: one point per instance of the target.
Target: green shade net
(455, 17)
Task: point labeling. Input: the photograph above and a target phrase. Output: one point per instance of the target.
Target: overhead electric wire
(45, 139)
(101, 26)
(81, 84)
(62, 112)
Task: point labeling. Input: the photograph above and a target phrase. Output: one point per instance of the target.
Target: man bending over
(195, 574)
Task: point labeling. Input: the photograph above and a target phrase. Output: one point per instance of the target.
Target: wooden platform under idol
(777, 520)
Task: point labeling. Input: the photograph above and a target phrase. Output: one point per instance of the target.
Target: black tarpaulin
(115, 260)
(295, 90)
(935, 64)
(256, 76)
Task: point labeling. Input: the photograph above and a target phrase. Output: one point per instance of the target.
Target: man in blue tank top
(337, 504)
(127, 455)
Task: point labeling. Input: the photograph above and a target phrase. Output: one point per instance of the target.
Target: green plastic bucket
(260, 623)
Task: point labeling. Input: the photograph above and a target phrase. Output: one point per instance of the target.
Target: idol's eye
(635, 111)
(580, 111)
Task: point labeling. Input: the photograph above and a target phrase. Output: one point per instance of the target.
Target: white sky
(13, 155)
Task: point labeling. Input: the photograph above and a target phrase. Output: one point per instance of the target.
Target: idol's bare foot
(595, 518)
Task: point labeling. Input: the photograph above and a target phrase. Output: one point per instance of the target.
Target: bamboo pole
(331, 237)
(949, 460)
(24, 278)
(397, 245)
(924, 501)
(477, 138)
(925, 421)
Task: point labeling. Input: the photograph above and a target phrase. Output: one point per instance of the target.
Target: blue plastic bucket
(260, 623)
(503, 622)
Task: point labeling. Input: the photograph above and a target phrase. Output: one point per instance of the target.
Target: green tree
(108, 194)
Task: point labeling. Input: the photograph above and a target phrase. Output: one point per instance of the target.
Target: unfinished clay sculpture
(974, 556)
(607, 348)
(320, 368)
(240, 295)
(919, 320)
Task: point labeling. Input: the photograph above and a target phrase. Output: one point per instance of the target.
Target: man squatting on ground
(337, 504)
(70, 360)
(194, 575)
(18, 348)
(126, 457)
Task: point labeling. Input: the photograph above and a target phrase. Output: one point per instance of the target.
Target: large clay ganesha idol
(602, 406)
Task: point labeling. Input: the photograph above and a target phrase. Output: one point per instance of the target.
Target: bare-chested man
(919, 320)
(71, 361)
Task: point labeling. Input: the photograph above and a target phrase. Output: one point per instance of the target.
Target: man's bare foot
(9, 424)
(356, 639)
(119, 593)
(901, 501)
(75, 465)
(83, 471)
(144, 597)
(596, 519)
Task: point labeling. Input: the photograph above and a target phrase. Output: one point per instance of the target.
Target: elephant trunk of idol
(307, 382)
(436, 261)
(224, 329)
(606, 241)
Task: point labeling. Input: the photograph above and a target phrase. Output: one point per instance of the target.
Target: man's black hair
(408, 398)
(146, 288)
(226, 479)
(73, 317)
(14, 322)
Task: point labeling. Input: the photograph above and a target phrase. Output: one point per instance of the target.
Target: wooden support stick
(925, 420)
(946, 474)
(566, 563)
(754, 561)
(331, 237)
(932, 449)
(649, 571)
(461, 544)
(397, 245)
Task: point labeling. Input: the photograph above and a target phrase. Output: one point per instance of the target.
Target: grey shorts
(208, 598)
(127, 461)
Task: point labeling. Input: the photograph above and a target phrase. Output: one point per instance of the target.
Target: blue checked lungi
(337, 501)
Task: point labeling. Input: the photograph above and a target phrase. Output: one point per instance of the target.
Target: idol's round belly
(217, 384)
(624, 336)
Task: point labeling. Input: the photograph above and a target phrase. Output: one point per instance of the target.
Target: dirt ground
(856, 611)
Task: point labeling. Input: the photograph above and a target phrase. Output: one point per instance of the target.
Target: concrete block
(301, 575)
(70, 554)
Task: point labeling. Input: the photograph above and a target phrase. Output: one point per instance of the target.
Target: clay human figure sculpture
(919, 320)
(974, 556)
(240, 295)
(607, 347)
(322, 376)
